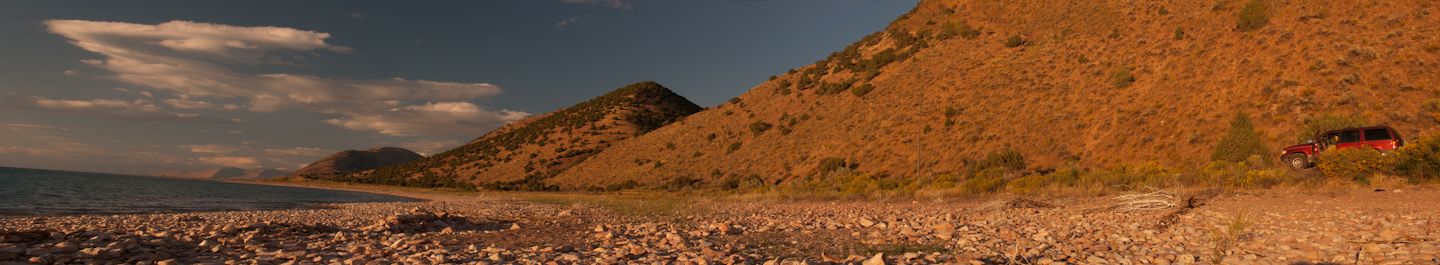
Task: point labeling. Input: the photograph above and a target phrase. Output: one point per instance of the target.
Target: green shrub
(950, 112)
(1419, 159)
(759, 127)
(953, 28)
(733, 146)
(1122, 78)
(1115, 34)
(1356, 164)
(1163, 11)
(772, 78)
(830, 164)
(1240, 142)
(1179, 33)
(861, 90)
(1328, 122)
(1005, 160)
(1014, 41)
(1082, 59)
(1253, 16)
(735, 100)
(709, 137)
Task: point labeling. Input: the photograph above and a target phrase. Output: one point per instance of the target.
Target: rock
(944, 230)
(515, 226)
(866, 222)
(168, 262)
(878, 259)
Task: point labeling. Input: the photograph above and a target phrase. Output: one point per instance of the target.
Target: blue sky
(142, 87)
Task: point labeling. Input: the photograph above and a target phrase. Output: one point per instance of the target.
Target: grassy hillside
(1065, 84)
(522, 154)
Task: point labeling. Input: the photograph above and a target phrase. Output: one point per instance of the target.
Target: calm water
(49, 192)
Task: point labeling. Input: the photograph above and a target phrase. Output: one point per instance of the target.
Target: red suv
(1379, 137)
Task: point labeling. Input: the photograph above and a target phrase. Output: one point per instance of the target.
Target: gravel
(1284, 228)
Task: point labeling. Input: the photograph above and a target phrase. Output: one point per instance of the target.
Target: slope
(351, 160)
(1068, 84)
(226, 173)
(520, 155)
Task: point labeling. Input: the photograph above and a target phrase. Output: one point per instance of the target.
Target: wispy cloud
(448, 118)
(622, 5)
(189, 58)
(299, 151)
(567, 21)
(231, 161)
(138, 110)
(31, 128)
(214, 149)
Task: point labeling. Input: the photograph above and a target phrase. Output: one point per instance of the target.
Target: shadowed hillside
(1068, 84)
(519, 156)
(351, 160)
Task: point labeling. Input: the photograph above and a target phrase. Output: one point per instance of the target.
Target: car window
(1377, 134)
(1350, 136)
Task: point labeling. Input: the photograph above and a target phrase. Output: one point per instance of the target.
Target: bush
(1122, 78)
(1253, 16)
(861, 90)
(957, 29)
(1328, 122)
(733, 146)
(1005, 160)
(1179, 33)
(1431, 105)
(1240, 142)
(1014, 41)
(759, 127)
(1419, 159)
(986, 181)
(1356, 164)
(830, 164)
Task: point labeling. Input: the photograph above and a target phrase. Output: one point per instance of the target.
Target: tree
(1240, 142)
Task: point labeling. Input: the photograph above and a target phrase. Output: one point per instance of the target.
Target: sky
(140, 87)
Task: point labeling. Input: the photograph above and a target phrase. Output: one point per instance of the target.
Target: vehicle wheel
(1296, 162)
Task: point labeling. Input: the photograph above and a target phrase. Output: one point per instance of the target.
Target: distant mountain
(520, 155)
(227, 173)
(351, 160)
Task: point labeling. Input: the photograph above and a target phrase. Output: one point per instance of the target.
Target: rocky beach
(1342, 226)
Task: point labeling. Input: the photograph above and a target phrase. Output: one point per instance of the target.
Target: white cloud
(427, 147)
(612, 3)
(31, 128)
(299, 151)
(60, 150)
(231, 161)
(189, 58)
(432, 119)
(214, 148)
(138, 110)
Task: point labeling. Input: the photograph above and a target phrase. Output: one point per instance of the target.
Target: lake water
(50, 192)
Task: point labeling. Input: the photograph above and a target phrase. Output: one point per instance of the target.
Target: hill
(351, 160)
(226, 173)
(520, 155)
(1068, 84)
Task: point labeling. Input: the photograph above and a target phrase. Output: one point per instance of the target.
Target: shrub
(1005, 160)
(1115, 34)
(1029, 184)
(1356, 164)
(1240, 142)
(759, 127)
(1014, 41)
(709, 137)
(1163, 11)
(950, 112)
(1179, 33)
(1082, 59)
(1328, 122)
(957, 29)
(1122, 78)
(830, 164)
(1253, 16)
(861, 90)
(986, 181)
(772, 78)
(733, 146)
(1431, 105)
(1419, 159)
